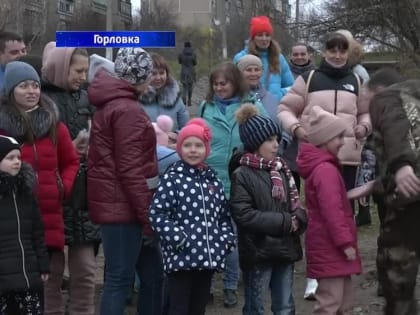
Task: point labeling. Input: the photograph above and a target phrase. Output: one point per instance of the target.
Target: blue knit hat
(16, 72)
(255, 129)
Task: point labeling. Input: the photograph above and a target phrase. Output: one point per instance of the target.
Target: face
(27, 94)
(334, 145)
(159, 77)
(193, 151)
(77, 72)
(262, 40)
(336, 57)
(268, 149)
(252, 75)
(222, 87)
(11, 163)
(12, 51)
(300, 55)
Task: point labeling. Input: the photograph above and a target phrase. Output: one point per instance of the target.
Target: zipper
(335, 103)
(20, 240)
(207, 228)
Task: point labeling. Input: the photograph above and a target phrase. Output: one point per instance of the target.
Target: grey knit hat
(133, 65)
(16, 72)
(255, 129)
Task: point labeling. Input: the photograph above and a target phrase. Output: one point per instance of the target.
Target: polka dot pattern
(189, 213)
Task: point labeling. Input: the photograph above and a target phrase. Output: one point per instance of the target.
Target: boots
(363, 217)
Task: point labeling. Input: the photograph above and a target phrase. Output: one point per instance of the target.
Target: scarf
(275, 166)
(335, 73)
(223, 103)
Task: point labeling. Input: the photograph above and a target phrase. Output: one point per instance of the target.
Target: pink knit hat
(196, 127)
(324, 126)
(162, 126)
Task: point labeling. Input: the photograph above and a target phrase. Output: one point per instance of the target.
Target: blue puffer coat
(189, 213)
(276, 83)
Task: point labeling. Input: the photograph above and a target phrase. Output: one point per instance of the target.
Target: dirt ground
(366, 300)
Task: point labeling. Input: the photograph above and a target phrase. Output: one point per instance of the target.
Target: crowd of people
(106, 153)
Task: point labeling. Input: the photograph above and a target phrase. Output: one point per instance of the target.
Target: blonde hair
(274, 52)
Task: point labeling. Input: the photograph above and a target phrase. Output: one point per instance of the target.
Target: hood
(299, 70)
(309, 157)
(24, 181)
(181, 167)
(106, 87)
(56, 65)
(97, 62)
(166, 96)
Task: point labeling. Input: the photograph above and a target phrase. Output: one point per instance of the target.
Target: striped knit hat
(255, 129)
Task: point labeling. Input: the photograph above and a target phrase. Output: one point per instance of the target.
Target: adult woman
(335, 88)
(32, 119)
(227, 92)
(162, 97)
(277, 77)
(64, 72)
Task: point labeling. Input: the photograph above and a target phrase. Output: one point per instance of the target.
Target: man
(188, 60)
(11, 48)
(396, 127)
(300, 60)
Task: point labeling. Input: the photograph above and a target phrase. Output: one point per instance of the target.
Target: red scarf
(275, 166)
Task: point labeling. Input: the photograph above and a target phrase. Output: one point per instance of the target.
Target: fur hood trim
(42, 120)
(168, 96)
(23, 182)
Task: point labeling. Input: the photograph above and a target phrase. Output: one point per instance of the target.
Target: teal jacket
(225, 132)
(276, 83)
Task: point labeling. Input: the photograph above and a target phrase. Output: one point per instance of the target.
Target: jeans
(121, 244)
(232, 272)
(258, 281)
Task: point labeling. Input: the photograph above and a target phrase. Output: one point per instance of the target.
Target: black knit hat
(255, 129)
(7, 144)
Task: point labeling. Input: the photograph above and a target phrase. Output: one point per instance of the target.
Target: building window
(125, 8)
(66, 6)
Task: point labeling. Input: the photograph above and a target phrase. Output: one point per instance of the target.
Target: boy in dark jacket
(24, 262)
(267, 211)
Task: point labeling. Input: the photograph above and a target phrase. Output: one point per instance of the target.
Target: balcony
(65, 7)
(100, 6)
(125, 8)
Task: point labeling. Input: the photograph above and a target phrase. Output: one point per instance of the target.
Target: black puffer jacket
(23, 253)
(263, 223)
(75, 112)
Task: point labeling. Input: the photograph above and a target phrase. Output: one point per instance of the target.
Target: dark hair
(187, 44)
(232, 74)
(34, 61)
(336, 40)
(384, 77)
(7, 37)
(301, 44)
(274, 52)
(159, 62)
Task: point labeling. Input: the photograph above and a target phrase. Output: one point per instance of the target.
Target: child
(189, 213)
(24, 262)
(331, 239)
(266, 209)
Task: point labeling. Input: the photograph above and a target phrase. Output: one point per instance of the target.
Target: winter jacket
(166, 101)
(55, 162)
(23, 254)
(75, 112)
(276, 83)
(331, 226)
(299, 70)
(336, 91)
(189, 213)
(122, 163)
(263, 222)
(188, 60)
(225, 131)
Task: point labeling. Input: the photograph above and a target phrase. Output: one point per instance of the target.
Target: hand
(81, 142)
(361, 191)
(44, 277)
(350, 253)
(407, 182)
(360, 131)
(295, 224)
(300, 133)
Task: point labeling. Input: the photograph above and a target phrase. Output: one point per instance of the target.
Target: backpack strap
(308, 82)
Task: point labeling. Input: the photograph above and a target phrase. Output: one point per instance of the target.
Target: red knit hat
(260, 24)
(196, 127)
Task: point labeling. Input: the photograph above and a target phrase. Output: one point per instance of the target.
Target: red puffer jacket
(55, 162)
(122, 163)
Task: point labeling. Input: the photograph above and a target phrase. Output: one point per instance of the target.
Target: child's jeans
(334, 296)
(277, 278)
(28, 302)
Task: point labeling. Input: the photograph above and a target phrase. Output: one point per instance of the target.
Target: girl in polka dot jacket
(189, 213)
